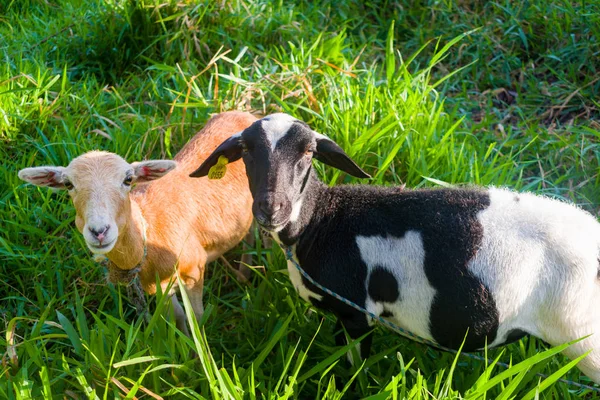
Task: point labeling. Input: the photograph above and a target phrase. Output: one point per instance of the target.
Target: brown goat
(187, 222)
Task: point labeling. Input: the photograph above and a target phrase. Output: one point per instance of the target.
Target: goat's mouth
(271, 226)
(101, 248)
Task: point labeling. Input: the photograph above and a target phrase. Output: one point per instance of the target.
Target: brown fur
(192, 221)
(188, 222)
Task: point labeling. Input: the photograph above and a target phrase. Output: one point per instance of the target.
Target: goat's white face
(99, 185)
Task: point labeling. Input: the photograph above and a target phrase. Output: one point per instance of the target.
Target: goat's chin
(101, 249)
(273, 227)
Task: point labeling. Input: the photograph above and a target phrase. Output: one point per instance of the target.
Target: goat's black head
(277, 151)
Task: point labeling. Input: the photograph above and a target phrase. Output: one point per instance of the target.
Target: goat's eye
(244, 148)
(68, 185)
(128, 181)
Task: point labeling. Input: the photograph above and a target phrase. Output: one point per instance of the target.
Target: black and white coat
(438, 263)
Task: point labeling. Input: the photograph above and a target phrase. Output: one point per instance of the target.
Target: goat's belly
(415, 318)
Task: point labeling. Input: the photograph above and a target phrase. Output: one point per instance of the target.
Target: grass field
(425, 93)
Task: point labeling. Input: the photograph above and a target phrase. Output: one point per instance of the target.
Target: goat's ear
(231, 148)
(145, 171)
(330, 153)
(52, 177)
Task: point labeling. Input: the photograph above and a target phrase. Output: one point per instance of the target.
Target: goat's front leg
(179, 313)
(195, 296)
(194, 293)
(356, 326)
(246, 260)
(191, 272)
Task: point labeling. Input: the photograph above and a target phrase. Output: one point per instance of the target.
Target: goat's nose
(270, 206)
(99, 234)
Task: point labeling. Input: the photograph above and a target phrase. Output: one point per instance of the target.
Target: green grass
(492, 93)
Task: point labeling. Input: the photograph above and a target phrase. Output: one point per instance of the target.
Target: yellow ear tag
(218, 170)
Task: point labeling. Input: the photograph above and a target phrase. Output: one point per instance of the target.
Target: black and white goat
(438, 263)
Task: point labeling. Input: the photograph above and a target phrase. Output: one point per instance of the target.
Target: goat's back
(216, 213)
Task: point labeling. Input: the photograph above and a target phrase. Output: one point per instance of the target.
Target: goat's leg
(191, 271)
(340, 338)
(180, 316)
(357, 326)
(590, 365)
(574, 318)
(195, 296)
(246, 260)
(179, 313)
(194, 286)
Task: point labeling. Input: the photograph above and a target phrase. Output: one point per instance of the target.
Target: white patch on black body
(403, 258)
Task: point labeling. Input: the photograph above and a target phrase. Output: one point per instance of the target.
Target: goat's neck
(129, 249)
(314, 201)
